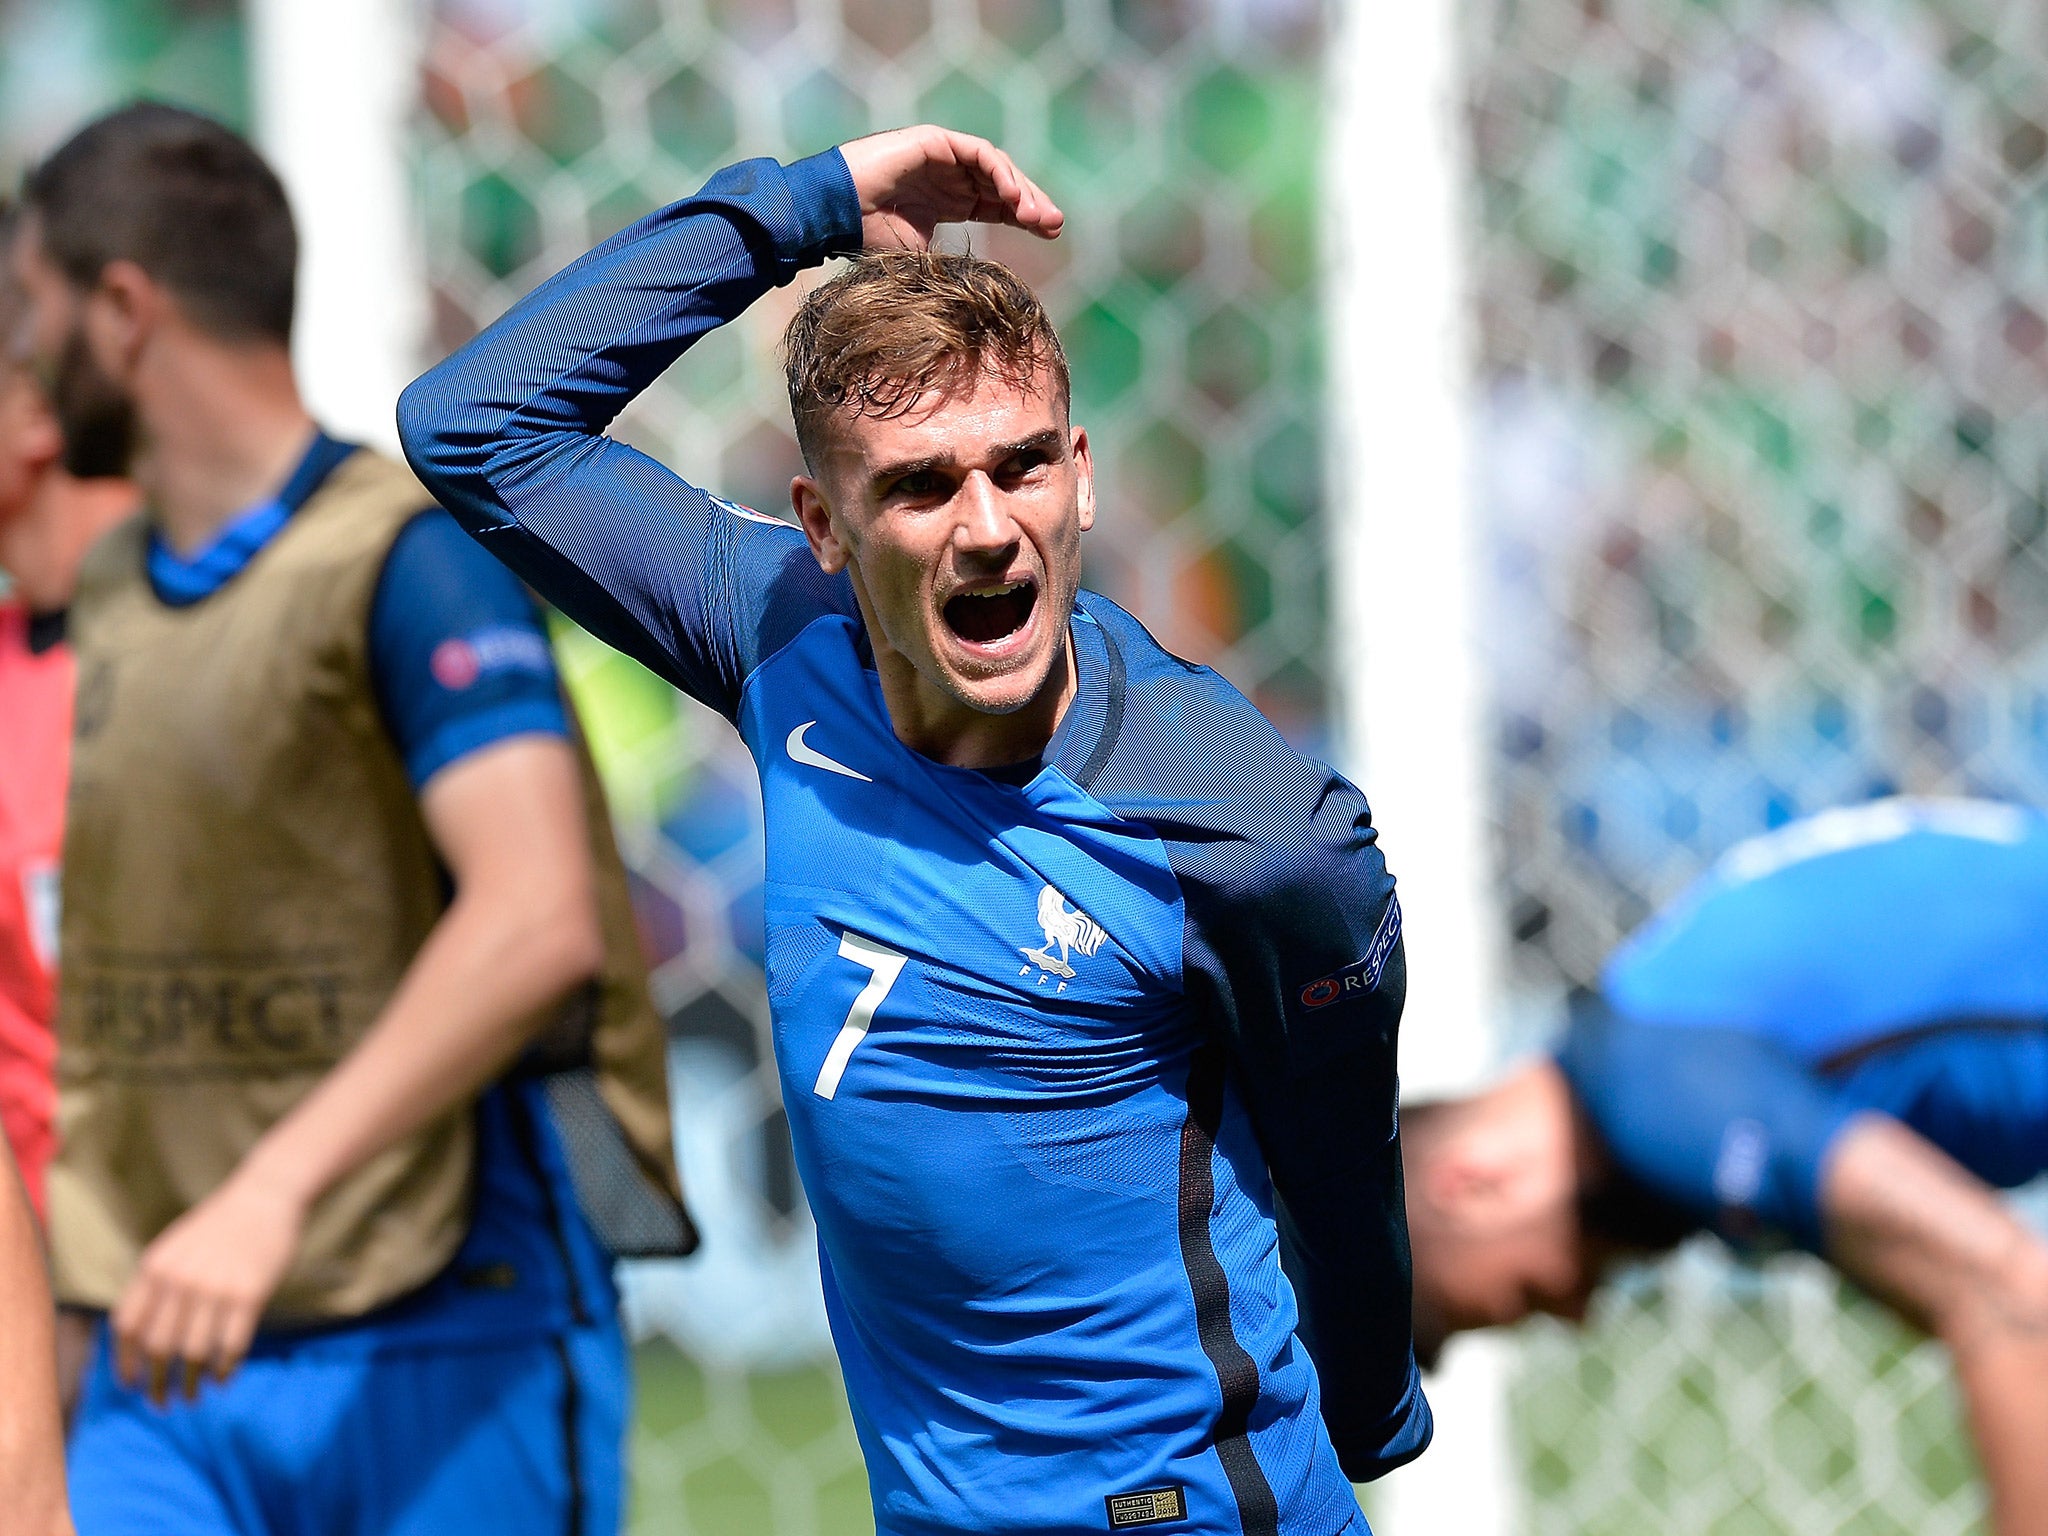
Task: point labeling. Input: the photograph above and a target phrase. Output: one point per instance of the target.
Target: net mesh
(1701, 1400)
(1758, 291)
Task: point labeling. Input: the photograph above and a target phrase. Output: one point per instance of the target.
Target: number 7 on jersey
(886, 965)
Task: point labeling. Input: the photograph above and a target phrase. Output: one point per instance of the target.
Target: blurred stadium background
(1759, 334)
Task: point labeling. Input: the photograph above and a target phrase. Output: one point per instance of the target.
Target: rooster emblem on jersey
(1069, 927)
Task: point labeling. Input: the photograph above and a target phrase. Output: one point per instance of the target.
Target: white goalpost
(1406, 655)
(335, 87)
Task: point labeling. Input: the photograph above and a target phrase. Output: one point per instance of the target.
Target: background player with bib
(1043, 900)
(344, 930)
(1837, 1039)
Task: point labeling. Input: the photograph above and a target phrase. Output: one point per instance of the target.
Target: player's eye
(920, 486)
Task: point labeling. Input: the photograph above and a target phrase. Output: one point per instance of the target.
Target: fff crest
(1069, 928)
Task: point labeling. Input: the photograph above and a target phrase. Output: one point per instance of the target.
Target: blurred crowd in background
(1760, 303)
(1761, 297)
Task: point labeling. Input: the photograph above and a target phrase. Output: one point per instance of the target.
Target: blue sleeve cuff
(472, 733)
(1806, 1217)
(1404, 1435)
(827, 207)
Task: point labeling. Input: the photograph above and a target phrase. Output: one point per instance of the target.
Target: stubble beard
(97, 419)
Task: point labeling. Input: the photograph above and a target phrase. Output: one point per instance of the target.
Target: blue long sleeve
(1298, 961)
(1294, 963)
(459, 656)
(509, 432)
(1722, 1123)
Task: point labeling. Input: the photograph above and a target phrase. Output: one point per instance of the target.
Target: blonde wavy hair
(895, 324)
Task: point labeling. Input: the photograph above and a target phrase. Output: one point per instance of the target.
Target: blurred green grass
(764, 1452)
(1735, 1415)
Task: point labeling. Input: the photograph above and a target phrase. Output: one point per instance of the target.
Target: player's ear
(1084, 476)
(121, 314)
(1465, 1184)
(814, 516)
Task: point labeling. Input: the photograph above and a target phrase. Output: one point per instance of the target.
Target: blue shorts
(521, 1438)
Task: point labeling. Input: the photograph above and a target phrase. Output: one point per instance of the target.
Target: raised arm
(509, 432)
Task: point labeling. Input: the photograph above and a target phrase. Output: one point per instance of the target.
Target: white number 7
(887, 965)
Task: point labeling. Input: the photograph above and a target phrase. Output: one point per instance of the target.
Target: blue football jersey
(1853, 924)
(1889, 958)
(1090, 1077)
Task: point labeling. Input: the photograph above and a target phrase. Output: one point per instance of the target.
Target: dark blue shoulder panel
(1293, 959)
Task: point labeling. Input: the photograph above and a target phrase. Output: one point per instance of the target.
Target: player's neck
(43, 546)
(222, 428)
(940, 727)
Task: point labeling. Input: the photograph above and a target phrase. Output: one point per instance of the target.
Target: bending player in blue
(1085, 986)
(1838, 1039)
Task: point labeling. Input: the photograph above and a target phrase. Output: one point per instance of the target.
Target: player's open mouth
(991, 614)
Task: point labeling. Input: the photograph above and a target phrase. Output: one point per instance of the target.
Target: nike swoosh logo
(800, 753)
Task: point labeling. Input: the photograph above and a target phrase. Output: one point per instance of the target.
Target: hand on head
(911, 180)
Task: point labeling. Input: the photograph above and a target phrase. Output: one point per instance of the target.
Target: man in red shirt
(54, 503)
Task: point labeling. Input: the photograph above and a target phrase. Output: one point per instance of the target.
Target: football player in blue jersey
(1837, 1039)
(1085, 985)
